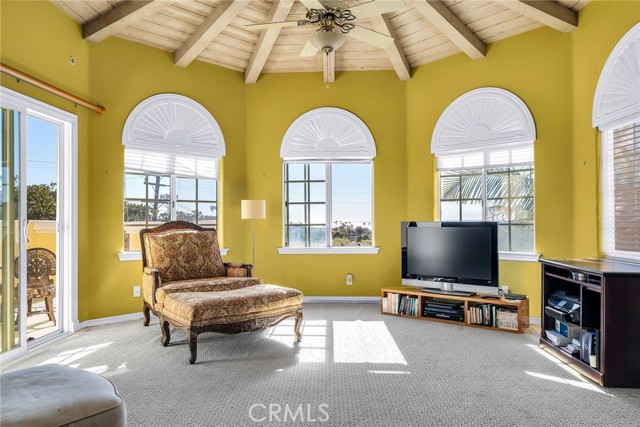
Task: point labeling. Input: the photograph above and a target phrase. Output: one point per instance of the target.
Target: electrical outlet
(349, 279)
(136, 291)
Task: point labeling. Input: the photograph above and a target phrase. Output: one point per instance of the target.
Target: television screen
(462, 252)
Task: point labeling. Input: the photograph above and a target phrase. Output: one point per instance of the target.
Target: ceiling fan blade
(371, 37)
(309, 49)
(271, 25)
(312, 4)
(378, 7)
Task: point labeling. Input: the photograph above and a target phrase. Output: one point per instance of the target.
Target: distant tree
(42, 201)
(346, 234)
(134, 212)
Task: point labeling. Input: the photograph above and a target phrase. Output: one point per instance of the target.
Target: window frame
(505, 255)
(607, 186)
(172, 201)
(328, 181)
(328, 202)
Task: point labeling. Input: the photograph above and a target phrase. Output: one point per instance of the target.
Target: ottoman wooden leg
(193, 346)
(166, 333)
(298, 325)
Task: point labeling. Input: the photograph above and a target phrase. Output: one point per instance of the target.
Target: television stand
(448, 292)
(437, 306)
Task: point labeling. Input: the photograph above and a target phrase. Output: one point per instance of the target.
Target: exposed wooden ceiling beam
(382, 24)
(208, 31)
(120, 17)
(329, 66)
(451, 26)
(279, 12)
(546, 12)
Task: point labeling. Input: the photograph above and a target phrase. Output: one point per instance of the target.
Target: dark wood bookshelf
(609, 303)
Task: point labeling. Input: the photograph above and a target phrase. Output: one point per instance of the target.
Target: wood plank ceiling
(214, 31)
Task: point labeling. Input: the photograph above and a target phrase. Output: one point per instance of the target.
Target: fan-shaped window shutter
(616, 112)
(173, 134)
(486, 127)
(328, 134)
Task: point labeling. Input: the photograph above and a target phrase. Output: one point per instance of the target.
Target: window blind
(170, 163)
(495, 158)
(621, 191)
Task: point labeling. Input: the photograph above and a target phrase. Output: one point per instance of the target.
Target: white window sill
(336, 250)
(519, 256)
(137, 255)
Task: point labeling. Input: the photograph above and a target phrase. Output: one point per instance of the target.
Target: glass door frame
(67, 221)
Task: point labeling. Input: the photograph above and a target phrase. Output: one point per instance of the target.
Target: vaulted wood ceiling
(214, 31)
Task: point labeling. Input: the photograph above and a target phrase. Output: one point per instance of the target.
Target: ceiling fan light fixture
(322, 39)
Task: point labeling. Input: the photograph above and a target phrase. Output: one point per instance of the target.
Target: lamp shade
(321, 39)
(253, 209)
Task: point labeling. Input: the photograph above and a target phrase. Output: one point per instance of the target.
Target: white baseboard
(109, 320)
(337, 299)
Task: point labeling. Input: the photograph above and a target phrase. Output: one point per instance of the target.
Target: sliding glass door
(10, 205)
(38, 210)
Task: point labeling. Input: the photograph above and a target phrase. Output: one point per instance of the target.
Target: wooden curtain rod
(52, 89)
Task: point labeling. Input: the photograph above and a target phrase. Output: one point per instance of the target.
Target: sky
(42, 149)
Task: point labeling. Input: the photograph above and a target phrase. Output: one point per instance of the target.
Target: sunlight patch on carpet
(365, 342)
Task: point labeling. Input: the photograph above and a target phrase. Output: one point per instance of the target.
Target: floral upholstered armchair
(183, 257)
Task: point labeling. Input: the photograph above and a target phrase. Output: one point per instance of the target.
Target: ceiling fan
(335, 21)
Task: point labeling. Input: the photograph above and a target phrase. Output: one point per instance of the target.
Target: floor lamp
(253, 209)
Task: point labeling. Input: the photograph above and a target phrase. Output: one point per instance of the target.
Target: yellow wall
(272, 105)
(38, 39)
(602, 25)
(553, 73)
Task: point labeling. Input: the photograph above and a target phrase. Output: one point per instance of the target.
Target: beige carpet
(355, 367)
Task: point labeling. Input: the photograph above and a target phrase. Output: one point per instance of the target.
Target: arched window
(616, 112)
(172, 146)
(327, 158)
(483, 143)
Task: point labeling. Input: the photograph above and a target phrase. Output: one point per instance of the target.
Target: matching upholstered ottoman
(55, 395)
(229, 312)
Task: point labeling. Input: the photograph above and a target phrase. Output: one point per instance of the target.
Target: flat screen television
(454, 257)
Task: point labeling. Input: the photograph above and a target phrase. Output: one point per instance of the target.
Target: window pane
(497, 184)
(351, 208)
(208, 214)
(317, 191)
(449, 211)
(296, 192)
(134, 212)
(297, 236)
(351, 192)
(318, 214)
(472, 210)
(159, 187)
(134, 186)
(186, 212)
(158, 211)
(207, 190)
(503, 238)
(296, 214)
(317, 171)
(186, 189)
(522, 183)
(471, 187)
(522, 238)
(318, 236)
(450, 187)
(522, 209)
(296, 171)
(498, 210)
